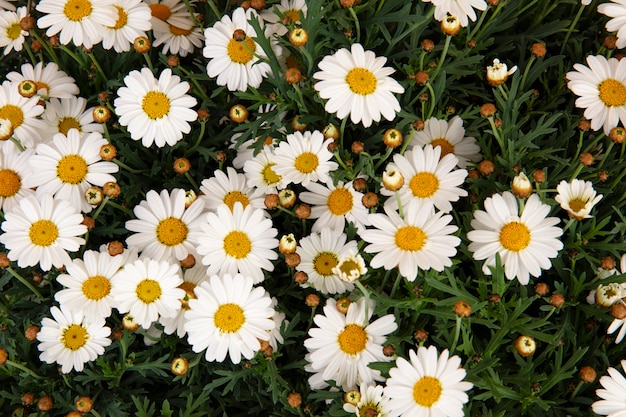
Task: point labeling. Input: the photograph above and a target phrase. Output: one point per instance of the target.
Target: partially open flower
(521, 186)
(607, 295)
(393, 179)
(350, 268)
(498, 73)
(525, 345)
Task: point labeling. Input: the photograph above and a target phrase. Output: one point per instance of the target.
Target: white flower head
(577, 197)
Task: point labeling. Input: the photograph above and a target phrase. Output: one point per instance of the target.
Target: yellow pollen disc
(14, 31)
(576, 204)
(324, 262)
(369, 409)
(427, 391)
(514, 236)
(237, 244)
(269, 175)
(43, 233)
(188, 287)
(10, 183)
(293, 15)
(229, 318)
(155, 104)
(171, 231)
(446, 147)
(236, 196)
(148, 290)
(122, 18)
(176, 31)
(361, 81)
(160, 11)
(42, 86)
(612, 92)
(306, 162)
(410, 238)
(74, 337)
(424, 184)
(13, 114)
(96, 287)
(241, 52)
(348, 266)
(339, 201)
(77, 10)
(72, 169)
(352, 339)
(67, 123)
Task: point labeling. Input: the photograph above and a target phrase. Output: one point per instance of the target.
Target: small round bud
(257, 4)
(539, 175)
(610, 42)
(352, 397)
(392, 138)
(84, 404)
(471, 43)
(220, 156)
(421, 77)
(45, 403)
(188, 262)
(359, 184)
(427, 45)
(27, 23)
(525, 345)
(4, 355)
(557, 300)
(245, 4)
(538, 49)
(423, 97)
(332, 147)
(141, 44)
(389, 351)
(584, 125)
(179, 366)
(392, 179)
(6, 129)
(173, 61)
(108, 152)
(493, 2)
(450, 25)
(312, 300)
(617, 134)
(297, 125)
(587, 374)
(4, 260)
(494, 298)
(294, 400)
(369, 199)
(542, 289)
(35, 45)
(293, 75)
(497, 122)
(298, 37)
(101, 114)
(287, 244)
(608, 263)
(190, 198)
(115, 248)
(486, 167)
(28, 398)
(94, 195)
(586, 159)
(129, 323)
(31, 332)
(342, 305)
(27, 88)
(182, 165)
(331, 132)
(603, 175)
(618, 310)
(462, 308)
(74, 414)
(303, 211)
(300, 277)
(487, 110)
(521, 186)
(103, 96)
(239, 35)
(292, 259)
(271, 201)
(607, 295)
(111, 189)
(238, 113)
(286, 198)
(357, 147)
(420, 335)
(53, 41)
(203, 115)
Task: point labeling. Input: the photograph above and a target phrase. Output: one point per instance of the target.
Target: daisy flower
(23, 113)
(617, 10)
(280, 16)
(16, 181)
(577, 198)
(79, 21)
(133, 21)
(421, 240)
(49, 79)
(70, 113)
(11, 34)
(355, 82)
(429, 179)
(177, 40)
(88, 284)
(164, 227)
(234, 57)
(230, 316)
(169, 12)
(148, 289)
(601, 88)
(617, 324)
(613, 403)
(5, 5)
(239, 240)
(276, 336)
(450, 137)
(341, 346)
(462, 10)
(372, 401)
(229, 188)
(71, 340)
(428, 385)
(303, 158)
(334, 205)
(525, 242)
(69, 165)
(155, 110)
(260, 174)
(41, 230)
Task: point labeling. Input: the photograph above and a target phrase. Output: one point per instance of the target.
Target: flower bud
(486, 167)
(108, 152)
(557, 300)
(462, 308)
(94, 195)
(287, 244)
(607, 295)
(5, 262)
(292, 259)
(297, 125)
(294, 400)
(141, 44)
(352, 397)
(4, 355)
(521, 186)
(427, 45)
(587, 374)
(392, 179)
(45, 403)
(101, 114)
(525, 345)
(498, 73)
(293, 75)
(84, 404)
(300, 277)
(369, 199)
(617, 134)
(286, 198)
(190, 198)
(182, 165)
(188, 262)
(343, 304)
(238, 113)
(298, 37)
(6, 129)
(303, 211)
(392, 138)
(179, 366)
(312, 300)
(420, 335)
(350, 268)
(618, 310)
(542, 289)
(487, 110)
(331, 132)
(111, 189)
(450, 25)
(27, 88)
(129, 323)
(539, 175)
(538, 49)
(271, 201)
(115, 248)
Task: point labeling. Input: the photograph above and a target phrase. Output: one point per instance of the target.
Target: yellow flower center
(43, 233)
(446, 147)
(176, 31)
(188, 287)
(427, 391)
(10, 183)
(67, 123)
(306, 162)
(155, 104)
(293, 15)
(229, 318)
(122, 18)
(349, 266)
(612, 92)
(424, 184)
(236, 196)
(340, 201)
(269, 175)
(241, 52)
(148, 290)
(361, 81)
(514, 236)
(576, 204)
(42, 86)
(369, 410)
(324, 263)
(171, 231)
(160, 11)
(74, 337)
(77, 10)
(13, 114)
(72, 169)
(352, 339)
(96, 287)
(410, 238)
(14, 31)
(237, 244)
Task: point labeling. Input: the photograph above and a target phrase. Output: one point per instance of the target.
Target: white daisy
(428, 179)
(241, 240)
(164, 227)
(229, 188)
(71, 340)
(41, 230)
(320, 253)
(260, 174)
(88, 284)
(155, 110)
(461, 9)
(49, 79)
(70, 113)
(613, 402)
(177, 40)
(342, 346)
(602, 91)
(69, 165)
(81, 22)
(303, 158)
(148, 289)
(280, 16)
(372, 402)
(23, 113)
(229, 316)
(429, 385)
(275, 334)
(525, 242)
(355, 82)
(617, 10)
(577, 198)
(617, 324)
(235, 58)
(169, 12)
(11, 34)
(450, 137)
(16, 181)
(421, 240)
(133, 21)
(5, 5)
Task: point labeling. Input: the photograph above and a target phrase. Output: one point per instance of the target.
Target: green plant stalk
(100, 207)
(356, 24)
(446, 46)
(25, 282)
(571, 28)
(23, 369)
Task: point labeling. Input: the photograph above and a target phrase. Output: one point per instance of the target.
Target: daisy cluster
(371, 208)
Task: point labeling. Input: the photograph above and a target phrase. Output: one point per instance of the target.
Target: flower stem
(446, 46)
(100, 207)
(356, 24)
(23, 368)
(457, 332)
(396, 284)
(24, 281)
(571, 28)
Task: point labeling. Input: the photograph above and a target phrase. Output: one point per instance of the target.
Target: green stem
(576, 172)
(117, 206)
(126, 167)
(396, 284)
(571, 28)
(23, 368)
(528, 65)
(366, 294)
(344, 166)
(431, 108)
(496, 134)
(213, 7)
(399, 201)
(457, 332)
(47, 47)
(446, 46)
(30, 53)
(356, 24)
(200, 136)
(100, 207)
(98, 67)
(195, 82)
(18, 144)
(192, 181)
(606, 154)
(24, 281)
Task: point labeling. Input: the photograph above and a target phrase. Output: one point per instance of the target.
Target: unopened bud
(182, 165)
(392, 138)
(179, 366)
(521, 186)
(298, 37)
(286, 198)
(238, 113)
(287, 244)
(141, 44)
(393, 179)
(525, 345)
(312, 300)
(450, 25)
(94, 195)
